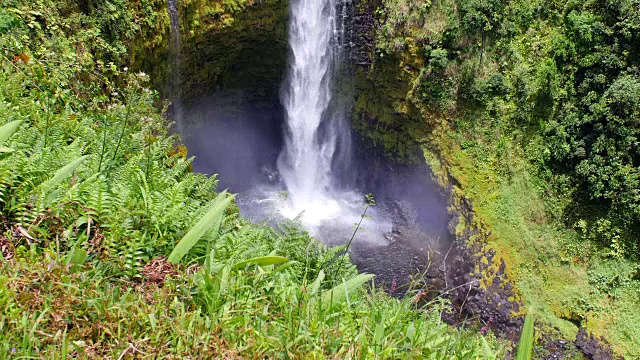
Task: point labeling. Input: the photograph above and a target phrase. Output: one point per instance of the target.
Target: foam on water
(332, 221)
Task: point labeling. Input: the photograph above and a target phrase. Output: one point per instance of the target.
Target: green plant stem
(122, 131)
(48, 118)
(104, 144)
(364, 213)
(148, 155)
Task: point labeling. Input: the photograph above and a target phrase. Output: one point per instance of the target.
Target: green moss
(383, 111)
(539, 252)
(230, 44)
(248, 53)
(486, 147)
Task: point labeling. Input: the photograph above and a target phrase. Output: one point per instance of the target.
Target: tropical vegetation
(530, 110)
(113, 248)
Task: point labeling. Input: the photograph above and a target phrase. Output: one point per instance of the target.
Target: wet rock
(508, 286)
(592, 348)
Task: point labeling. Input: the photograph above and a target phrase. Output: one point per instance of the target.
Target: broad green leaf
(78, 256)
(486, 349)
(62, 174)
(260, 261)
(378, 333)
(317, 283)
(8, 129)
(411, 333)
(224, 279)
(212, 257)
(525, 346)
(339, 293)
(210, 222)
(284, 266)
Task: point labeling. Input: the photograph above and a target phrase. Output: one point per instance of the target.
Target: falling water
(176, 43)
(317, 136)
(314, 162)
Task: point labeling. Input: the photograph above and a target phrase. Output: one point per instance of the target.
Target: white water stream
(317, 135)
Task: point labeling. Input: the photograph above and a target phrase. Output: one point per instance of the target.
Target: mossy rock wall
(249, 52)
(225, 45)
(382, 115)
(389, 111)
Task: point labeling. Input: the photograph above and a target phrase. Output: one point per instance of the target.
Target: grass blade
(62, 174)
(339, 293)
(209, 222)
(316, 284)
(525, 346)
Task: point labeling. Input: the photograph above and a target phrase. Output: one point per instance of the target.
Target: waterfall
(317, 136)
(176, 51)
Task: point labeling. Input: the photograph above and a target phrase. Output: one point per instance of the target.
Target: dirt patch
(157, 270)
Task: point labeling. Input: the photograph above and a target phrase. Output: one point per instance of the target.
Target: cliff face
(470, 87)
(225, 45)
(248, 52)
(393, 112)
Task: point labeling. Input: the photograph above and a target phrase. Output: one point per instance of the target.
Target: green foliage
(567, 75)
(480, 17)
(209, 223)
(8, 129)
(529, 109)
(525, 346)
(260, 261)
(260, 315)
(62, 174)
(593, 137)
(95, 194)
(402, 21)
(340, 293)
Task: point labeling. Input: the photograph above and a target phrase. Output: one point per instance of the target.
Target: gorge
(300, 161)
(319, 179)
(383, 104)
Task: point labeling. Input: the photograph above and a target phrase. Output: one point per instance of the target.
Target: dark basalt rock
(362, 25)
(592, 348)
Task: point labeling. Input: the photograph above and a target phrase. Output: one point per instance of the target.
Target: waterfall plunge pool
(402, 234)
